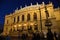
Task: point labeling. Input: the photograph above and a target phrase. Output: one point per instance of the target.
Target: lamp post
(48, 22)
(40, 19)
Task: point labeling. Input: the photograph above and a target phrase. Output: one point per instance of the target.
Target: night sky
(9, 6)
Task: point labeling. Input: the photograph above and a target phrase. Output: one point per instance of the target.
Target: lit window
(36, 27)
(35, 16)
(28, 17)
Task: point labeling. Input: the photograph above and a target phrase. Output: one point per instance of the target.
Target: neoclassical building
(28, 18)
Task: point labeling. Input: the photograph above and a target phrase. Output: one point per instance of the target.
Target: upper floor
(32, 13)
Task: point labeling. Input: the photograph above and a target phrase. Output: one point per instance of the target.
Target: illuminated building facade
(28, 18)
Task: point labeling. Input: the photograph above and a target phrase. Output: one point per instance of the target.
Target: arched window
(7, 21)
(28, 17)
(14, 19)
(22, 17)
(36, 27)
(18, 19)
(35, 16)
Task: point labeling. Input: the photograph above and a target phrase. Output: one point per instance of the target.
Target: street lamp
(48, 22)
(40, 19)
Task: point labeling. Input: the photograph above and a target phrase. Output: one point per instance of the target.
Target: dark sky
(8, 6)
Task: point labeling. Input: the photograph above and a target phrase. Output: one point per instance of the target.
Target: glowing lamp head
(25, 24)
(19, 25)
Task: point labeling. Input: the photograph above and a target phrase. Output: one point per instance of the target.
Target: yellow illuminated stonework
(29, 17)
